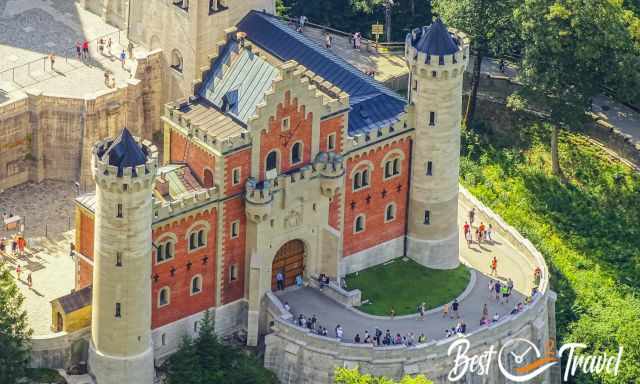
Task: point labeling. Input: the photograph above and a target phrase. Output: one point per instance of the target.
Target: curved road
(511, 264)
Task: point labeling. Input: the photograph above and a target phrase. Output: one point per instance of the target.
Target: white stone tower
(121, 348)
(437, 59)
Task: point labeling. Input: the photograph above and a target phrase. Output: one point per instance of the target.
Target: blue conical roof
(436, 40)
(125, 152)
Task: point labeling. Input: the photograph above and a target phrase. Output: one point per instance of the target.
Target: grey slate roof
(240, 88)
(124, 152)
(435, 40)
(372, 105)
(76, 300)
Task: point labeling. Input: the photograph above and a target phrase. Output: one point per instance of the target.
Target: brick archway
(289, 260)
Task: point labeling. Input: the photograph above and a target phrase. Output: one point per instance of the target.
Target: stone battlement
(139, 177)
(163, 210)
(363, 139)
(435, 62)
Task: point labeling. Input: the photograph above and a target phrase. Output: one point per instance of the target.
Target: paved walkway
(511, 264)
(30, 30)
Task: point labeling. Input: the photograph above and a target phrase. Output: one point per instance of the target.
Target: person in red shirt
(85, 49)
(466, 227)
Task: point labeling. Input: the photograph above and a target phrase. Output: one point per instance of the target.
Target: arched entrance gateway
(290, 261)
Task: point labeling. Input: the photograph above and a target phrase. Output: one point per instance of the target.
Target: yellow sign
(377, 29)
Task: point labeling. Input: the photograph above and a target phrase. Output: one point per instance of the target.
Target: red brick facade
(177, 273)
(84, 246)
(233, 250)
(197, 158)
(372, 201)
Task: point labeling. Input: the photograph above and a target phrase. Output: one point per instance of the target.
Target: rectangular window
(118, 313)
(233, 273)
(331, 142)
(118, 259)
(235, 176)
(433, 73)
(429, 168)
(235, 229)
(285, 124)
(432, 118)
(119, 211)
(427, 217)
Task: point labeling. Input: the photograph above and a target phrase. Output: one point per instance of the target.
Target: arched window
(392, 168)
(208, 178)
(176, 60)
(164, 296)
(201, 238)
(357, 181)
(390, 212)
(358, 224)
(296, 153)
(365, 178)
(193, 240)
(272, 162)
(165, 251)
(196, 285)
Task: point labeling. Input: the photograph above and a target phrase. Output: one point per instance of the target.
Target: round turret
(330, 166)
(121, 349)
(437, 58)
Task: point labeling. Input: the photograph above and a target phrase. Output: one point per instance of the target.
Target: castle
(284, 159)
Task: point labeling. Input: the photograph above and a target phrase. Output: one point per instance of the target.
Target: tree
(206, 360)
(352, 376)
(14, 330)
(573, 49)
(488, 23)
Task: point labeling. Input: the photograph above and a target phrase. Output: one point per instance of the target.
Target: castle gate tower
(437, 59)
(121, 349)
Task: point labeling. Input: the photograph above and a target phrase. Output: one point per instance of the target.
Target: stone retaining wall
(60, 350)
(298, 356)
(50, 137)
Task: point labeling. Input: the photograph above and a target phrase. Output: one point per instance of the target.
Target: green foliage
(45, 375)
(352, 376)
(14, 330)
(488, 23)
(574, 48)
(205, 360)
(587, 228)
(358, 15)
(380, 285)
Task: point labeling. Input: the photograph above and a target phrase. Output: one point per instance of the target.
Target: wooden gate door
(290, 261)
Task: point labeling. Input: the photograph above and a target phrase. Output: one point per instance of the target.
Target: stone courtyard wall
(298, 356)
(50, 137)
(59, 350)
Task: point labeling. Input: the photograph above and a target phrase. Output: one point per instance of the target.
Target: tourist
(358, 40)
(466, 227)
(494, 266)
(367, 337)
(29, 280)
(496, 317)
(455, 306)
(398, 339)
(481, 230)
(353, 40)
(18, 271)
(492, 285)
(485, 310)
(505, 294)
(301, 320)
(109, 42)
(52, 60)
(469, 238)
(299, 281)
(101, 46)
(85, 49)
(445, 310)
(463, 327)
(79, 49)
(22, 244)
(123, 58)
(489, 233)
(510, 285)
(339, 332)
(328, 40)
(387, 338)
(478, 236)
(280, 281)
(448, 332)
(501, 66)
(14, 246)
(357, 338)
(321, 281)
(392, 313)
(514, 310)
(422, 338)
(472, 215)
(287, 307)
(2, 247)
(301, 22)
(378, 336)
(410, 339)
(130, 49)
(421, 309)
(497, 287)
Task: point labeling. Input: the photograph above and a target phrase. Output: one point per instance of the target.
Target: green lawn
(405, 284)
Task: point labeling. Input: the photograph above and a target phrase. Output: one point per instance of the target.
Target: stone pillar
(253, 316)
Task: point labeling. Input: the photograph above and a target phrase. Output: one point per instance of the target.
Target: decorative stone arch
(289, 259)
(392, 154)
(359, 165)
(177, 61)
(167, 291)
(278, 160)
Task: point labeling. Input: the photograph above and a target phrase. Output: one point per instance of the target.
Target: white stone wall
(435, 88)
(369, 257)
